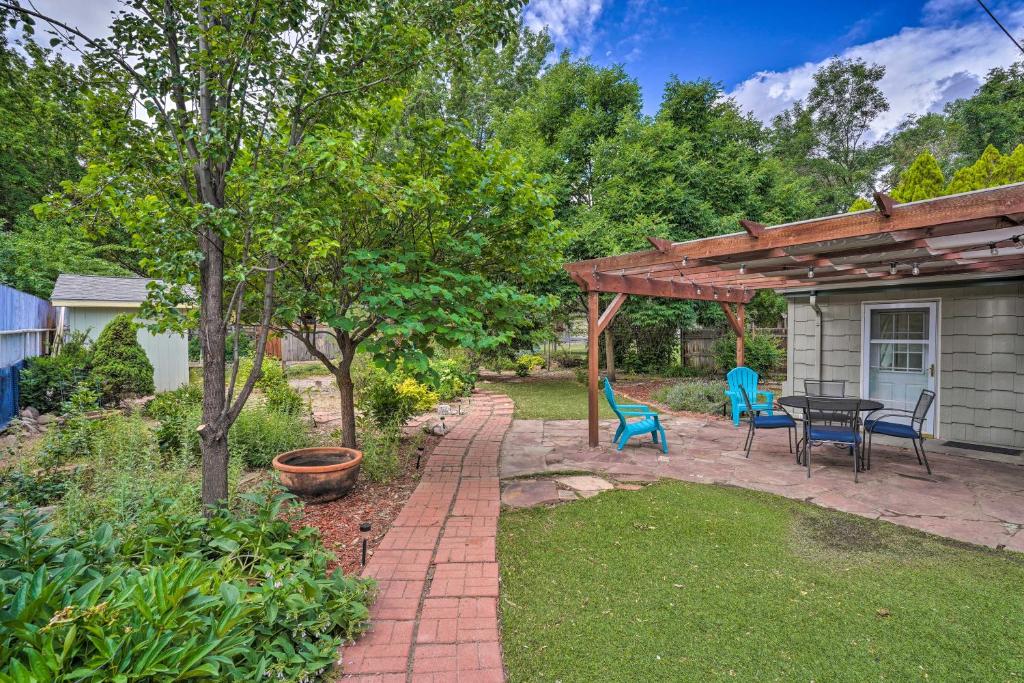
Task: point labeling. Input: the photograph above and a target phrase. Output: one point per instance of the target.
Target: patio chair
(831, 388)
(758, 421)
(747, 379)
(875, 424)
(836, 421)
(648, 421)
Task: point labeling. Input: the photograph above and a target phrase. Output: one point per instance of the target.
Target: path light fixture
(419, 454)
(364, 533)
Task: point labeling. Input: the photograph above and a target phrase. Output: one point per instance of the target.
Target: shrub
(762, 353)
(120, 367)
(33, 488)
(260, 434)
(48, 381)
(695, 396)
(74, 439)
(453, 377)
(273, 383)
(380, 445)
(173, 410)
(241, 596)
(527, 363)
(391, 398)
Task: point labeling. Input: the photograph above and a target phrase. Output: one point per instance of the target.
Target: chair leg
(867, 437)
(807, 456)
(664, 441)
(618, 433)
(925, 456)
(916, 452)
(654, 436)
(736, 416)
(789, 436)
(622, 441)
(750, 438)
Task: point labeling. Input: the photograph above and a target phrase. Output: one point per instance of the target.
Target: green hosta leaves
(227, 598)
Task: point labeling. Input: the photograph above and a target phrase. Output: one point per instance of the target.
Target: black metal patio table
(867, 405)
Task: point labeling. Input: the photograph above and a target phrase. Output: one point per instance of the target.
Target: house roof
(965, 236)
(70, 290)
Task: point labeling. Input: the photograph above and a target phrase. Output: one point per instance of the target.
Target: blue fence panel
(9, 392)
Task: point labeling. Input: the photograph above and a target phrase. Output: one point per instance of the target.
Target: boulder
(29, 412)
(46, 418)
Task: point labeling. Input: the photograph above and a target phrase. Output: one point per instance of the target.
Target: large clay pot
(320, 474)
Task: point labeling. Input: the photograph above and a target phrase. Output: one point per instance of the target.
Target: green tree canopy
(922, 180)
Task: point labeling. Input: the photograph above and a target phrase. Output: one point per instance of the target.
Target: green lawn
(688, 582)
(548, 399)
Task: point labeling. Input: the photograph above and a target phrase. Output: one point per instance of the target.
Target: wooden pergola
(972, 235)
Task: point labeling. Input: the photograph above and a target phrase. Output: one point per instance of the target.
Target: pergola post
(741, 338)
(592, 348)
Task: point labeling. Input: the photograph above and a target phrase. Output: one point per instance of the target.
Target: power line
(1000, 25)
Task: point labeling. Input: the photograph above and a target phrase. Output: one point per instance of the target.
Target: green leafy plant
(380, 445)
(120, 366)
(393, 398)
(762, 353)
(452, 377)
(48, 381)
(273, 382)
(34, 488)
(259, 434)
(74, 438)
(527, 363)
(695, 396)
(241, 596)
(176, 412)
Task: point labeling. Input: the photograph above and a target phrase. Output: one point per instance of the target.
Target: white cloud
(569, 22)
(926, 66)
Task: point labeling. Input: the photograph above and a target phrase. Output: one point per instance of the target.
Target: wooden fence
(26, 328)
(696, 347)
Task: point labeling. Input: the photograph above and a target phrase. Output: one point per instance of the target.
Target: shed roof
(71, 289)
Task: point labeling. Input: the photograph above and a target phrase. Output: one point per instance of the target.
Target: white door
(899, 355)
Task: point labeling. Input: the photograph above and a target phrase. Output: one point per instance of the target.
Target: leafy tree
(934, 133)
(827, 136)
(922, 180)
(40, 125)
(120, 367)
(860, 204)
(411, 236)
(204, 183)
(994, 116)
(990, 170)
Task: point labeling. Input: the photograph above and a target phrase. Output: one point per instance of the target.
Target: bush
(33, 488)
(453, 378)
(75, 438)
(274, 384)
(527, 363)
(48, 381)
(241, 596)
(392, 398)
(120, 367)
(260, 434)
(762, 353)
(174, 411)
(695, 396)
(380, 445)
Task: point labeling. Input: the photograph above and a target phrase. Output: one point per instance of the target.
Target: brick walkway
(436, 617)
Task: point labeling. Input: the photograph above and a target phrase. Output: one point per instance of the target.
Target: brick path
(436, 616)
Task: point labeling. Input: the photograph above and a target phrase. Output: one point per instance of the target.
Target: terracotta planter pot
(321, 474)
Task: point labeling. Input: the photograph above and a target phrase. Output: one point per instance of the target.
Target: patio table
(866, 404)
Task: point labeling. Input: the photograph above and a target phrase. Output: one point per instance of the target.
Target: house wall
(980, 354)
(167, 351)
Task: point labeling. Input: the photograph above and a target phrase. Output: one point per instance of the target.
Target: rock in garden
(46, 418)
(29, 412)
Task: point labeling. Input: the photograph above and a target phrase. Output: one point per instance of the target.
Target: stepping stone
(563, 494)
(585, 485)
(529, 493)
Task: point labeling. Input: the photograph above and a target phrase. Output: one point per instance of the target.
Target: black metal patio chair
(875, 424)
(758, 421)
(836, 421)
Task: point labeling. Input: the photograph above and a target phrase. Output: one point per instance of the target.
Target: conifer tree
(923, 179)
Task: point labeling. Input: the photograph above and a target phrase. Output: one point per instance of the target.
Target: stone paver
(965, 498)
(585, 485)
(528, 493)
(436, 615)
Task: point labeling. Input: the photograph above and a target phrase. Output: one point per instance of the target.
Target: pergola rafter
(975, 234)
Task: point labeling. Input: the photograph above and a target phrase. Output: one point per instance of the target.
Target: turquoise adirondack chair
(649, 422)
(747, 378)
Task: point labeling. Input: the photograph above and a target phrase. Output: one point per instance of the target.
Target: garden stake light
(419, 454)
(364, 533)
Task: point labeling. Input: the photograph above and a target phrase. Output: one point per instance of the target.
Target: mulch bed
(378, 504)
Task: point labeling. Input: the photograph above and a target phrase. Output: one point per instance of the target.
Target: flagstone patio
(966, 499)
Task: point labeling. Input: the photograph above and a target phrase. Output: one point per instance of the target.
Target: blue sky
(765, 52)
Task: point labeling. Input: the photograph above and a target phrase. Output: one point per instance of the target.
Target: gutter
(813, 300)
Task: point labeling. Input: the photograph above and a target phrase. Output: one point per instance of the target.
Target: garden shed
(88, 302)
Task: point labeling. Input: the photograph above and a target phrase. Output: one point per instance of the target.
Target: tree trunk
(609, 355)
(213, 430)
(343, 378)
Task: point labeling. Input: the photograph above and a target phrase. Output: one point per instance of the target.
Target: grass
(547, 399)
(688, 582)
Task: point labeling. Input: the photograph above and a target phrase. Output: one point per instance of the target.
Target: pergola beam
(669, 289)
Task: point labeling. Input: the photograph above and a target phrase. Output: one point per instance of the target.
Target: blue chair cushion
(891, 429)
(836, 434)
(773, 421)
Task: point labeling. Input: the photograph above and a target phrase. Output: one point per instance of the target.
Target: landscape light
(364, 533)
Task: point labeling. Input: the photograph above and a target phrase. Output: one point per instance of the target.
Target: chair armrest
(895, 412)
(632, 405)
(769, 396)
(637, 412)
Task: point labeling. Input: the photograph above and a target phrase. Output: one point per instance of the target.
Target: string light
(993, 249)
(743, 269)
(715, 291)
(892, 268)
(915, 270)
(1017, 243)
(810, 272)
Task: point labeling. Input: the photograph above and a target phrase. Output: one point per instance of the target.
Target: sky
(764, 52)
